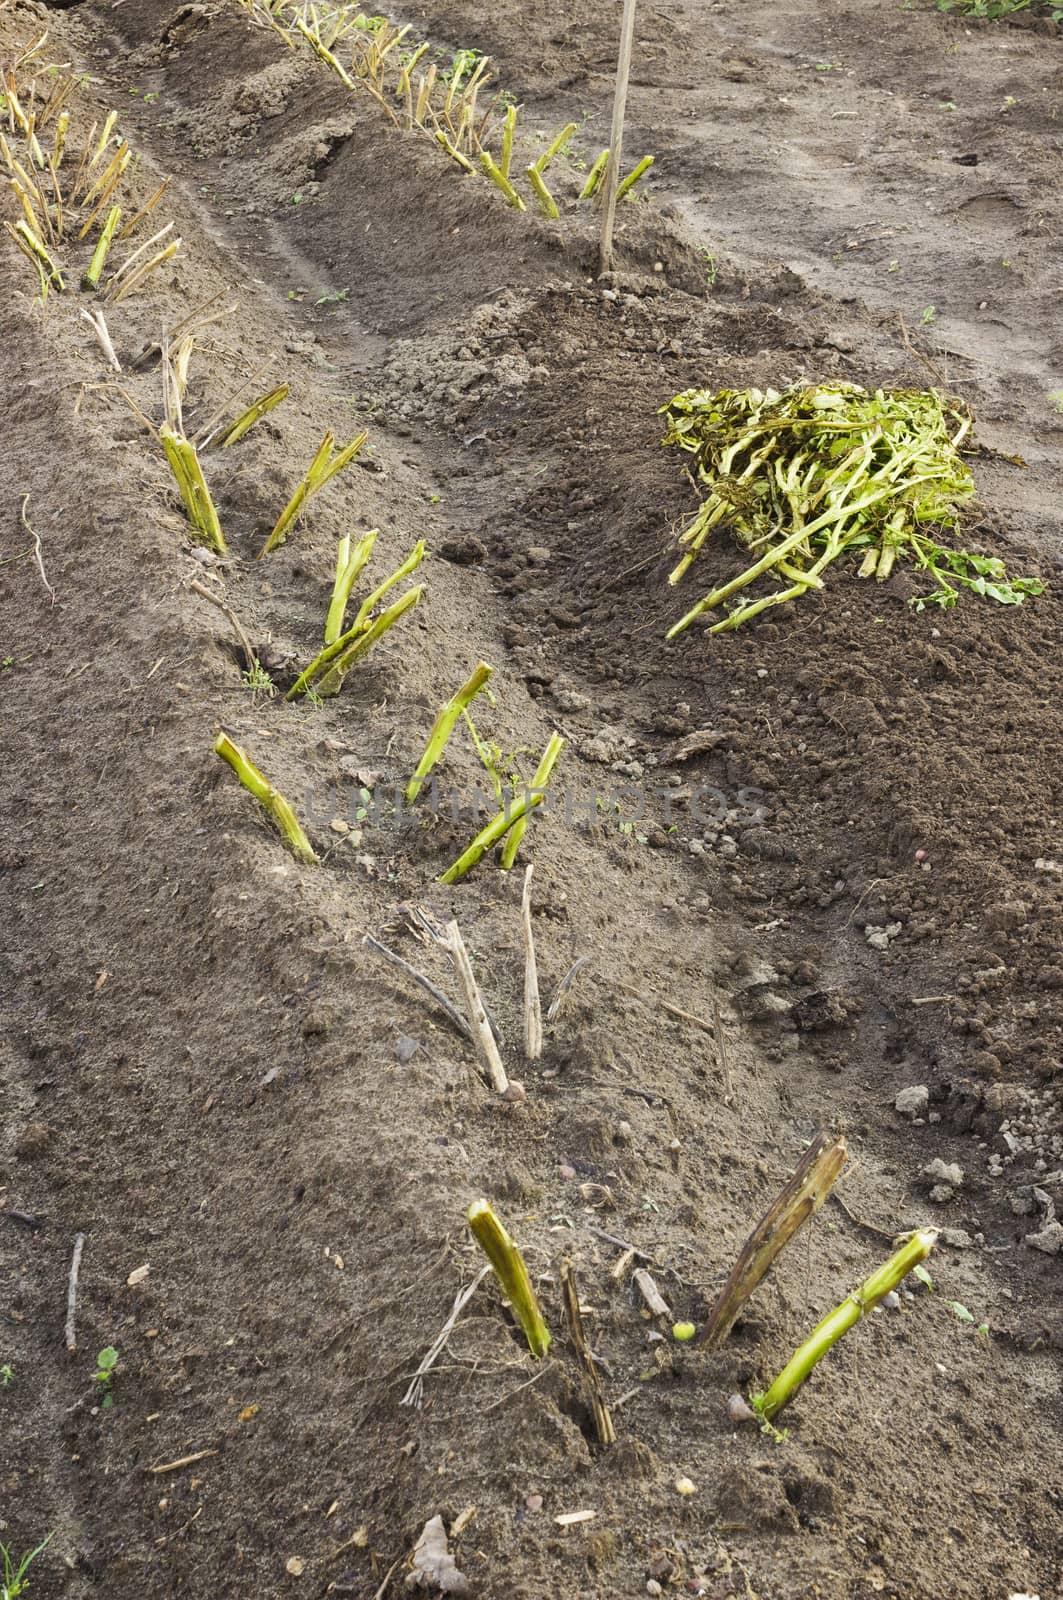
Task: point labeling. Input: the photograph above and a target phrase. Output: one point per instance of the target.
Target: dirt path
(206, 1072)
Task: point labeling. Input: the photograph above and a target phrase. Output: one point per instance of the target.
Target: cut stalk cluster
(263, 791)
(370, 54)
(808, 474)
(181, 451)
(330, 666)
(58, 206)
(91, 276)
(188, 475)
(321, 470)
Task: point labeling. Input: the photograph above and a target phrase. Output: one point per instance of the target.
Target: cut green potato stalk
(61, 127)
(545, 200)
(508, 129)
(633, 177)
(263, 791)
(500, 181)
(443, 727)
(110, 175)
(594, 177)
(254, 413)
(33, 247)
(840, 1320)
(332, 681)
(511, 1274)
(455, 155)
(555, 147)
(324, 466)
(348, 567)
(490, 835)
(543, 774)
(188, 475)
(91, 277)
(32, 258)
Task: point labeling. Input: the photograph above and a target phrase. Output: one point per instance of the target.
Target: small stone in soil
(942, 1172)
(913, 1101)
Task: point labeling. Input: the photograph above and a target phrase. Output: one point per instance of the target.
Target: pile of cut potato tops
(805, 475)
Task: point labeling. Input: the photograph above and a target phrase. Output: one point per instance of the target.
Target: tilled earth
(840, 825)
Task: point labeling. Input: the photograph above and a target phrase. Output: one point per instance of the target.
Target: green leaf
(107, 1359)
(923, 1275)
(961, 1313)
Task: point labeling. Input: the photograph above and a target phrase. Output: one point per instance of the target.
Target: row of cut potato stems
(67, 182)
(378, 57)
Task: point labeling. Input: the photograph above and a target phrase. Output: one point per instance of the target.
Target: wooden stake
(474, 1007)
(592, 1378)
(800, 1199)
(533, 1015)
(611, 181)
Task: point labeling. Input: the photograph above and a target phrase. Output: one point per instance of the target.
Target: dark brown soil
(204, 1070)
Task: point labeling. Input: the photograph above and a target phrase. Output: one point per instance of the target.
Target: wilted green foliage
(802, 475)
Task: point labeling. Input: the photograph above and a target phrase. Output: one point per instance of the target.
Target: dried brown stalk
(799, 1199)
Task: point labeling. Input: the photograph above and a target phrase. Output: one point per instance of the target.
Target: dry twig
(72, 1294)
(592, 1378)
(482, 1035)
(414, 1395)
(425, 983)
(800, 1199)
(36, 547)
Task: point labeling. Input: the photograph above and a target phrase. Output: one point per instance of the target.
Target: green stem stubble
(594, 177)
(511, 1273)
(188, 474)
(545, 200)
(263, 791)
(347, 569)
(539, 782)
(91, 277)
(840, 1320)
(555, 147)
(324, 466)
(499, 179)
(508, 129)
(443, 727)
(633, 177)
